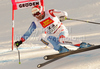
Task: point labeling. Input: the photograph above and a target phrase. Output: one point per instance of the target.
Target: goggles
(36, 14)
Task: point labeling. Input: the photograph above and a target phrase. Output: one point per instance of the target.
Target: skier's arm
(59, 13)
(26, 35)
(29, 32)
(62, 15)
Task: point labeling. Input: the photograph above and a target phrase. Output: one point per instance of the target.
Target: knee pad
(62, 36)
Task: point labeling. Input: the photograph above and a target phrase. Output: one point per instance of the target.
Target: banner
(20, 4)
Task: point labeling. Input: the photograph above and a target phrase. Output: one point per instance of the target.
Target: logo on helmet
(36, 8)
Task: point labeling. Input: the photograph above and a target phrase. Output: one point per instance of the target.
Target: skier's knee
(61, 39)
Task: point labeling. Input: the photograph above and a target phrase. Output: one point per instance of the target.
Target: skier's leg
(54, 41)
(63, 38)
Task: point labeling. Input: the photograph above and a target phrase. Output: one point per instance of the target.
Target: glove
(62, 18)
(17, 43)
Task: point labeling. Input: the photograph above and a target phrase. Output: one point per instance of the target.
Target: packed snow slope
(32, 50)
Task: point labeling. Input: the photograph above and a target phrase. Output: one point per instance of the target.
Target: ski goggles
(36, 14)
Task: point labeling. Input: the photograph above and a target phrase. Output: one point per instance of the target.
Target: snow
(32, 50)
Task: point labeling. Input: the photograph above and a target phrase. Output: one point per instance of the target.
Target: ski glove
(62, 18)
(18, 43)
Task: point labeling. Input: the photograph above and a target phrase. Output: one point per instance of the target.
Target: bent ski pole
(81, 20)
(19, 55)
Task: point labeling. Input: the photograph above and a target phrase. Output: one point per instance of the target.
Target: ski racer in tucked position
(56, 33)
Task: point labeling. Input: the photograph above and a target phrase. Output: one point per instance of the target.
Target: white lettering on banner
(27, 4)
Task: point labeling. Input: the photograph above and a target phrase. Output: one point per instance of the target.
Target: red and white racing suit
(56, 32)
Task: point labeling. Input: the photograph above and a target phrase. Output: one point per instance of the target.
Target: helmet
(36, 9)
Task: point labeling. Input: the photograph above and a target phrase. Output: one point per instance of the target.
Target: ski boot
(63, 49)
(84, 45)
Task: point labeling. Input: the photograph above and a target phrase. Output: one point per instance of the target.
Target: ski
(47, 62)
(55, 57)
(47, 57)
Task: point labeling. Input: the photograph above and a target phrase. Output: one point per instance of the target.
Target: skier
(56, 33)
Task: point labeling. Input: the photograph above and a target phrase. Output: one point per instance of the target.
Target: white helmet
(36, 9)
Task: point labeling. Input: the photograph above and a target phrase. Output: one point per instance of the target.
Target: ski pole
(19, 55)
(81, 20)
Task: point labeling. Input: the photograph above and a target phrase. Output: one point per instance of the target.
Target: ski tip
(45, 57)
(39, 65)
